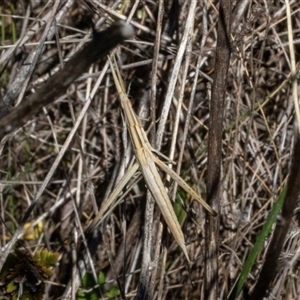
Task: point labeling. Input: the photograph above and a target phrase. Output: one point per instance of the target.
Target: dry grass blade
(108, 205)
(147, 160)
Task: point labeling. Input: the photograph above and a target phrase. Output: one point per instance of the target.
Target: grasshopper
(147, 162)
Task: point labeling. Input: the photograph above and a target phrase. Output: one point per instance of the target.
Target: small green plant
(23, 276)
(88, 290)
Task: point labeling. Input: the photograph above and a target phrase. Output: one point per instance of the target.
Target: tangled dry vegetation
(256, 142)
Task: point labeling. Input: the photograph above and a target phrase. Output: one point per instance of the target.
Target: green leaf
(87, 282)
(11, 287)
(101, 278)
(112, 293)
(178, 208)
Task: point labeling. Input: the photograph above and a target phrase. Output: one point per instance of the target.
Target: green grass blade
(258, 246)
